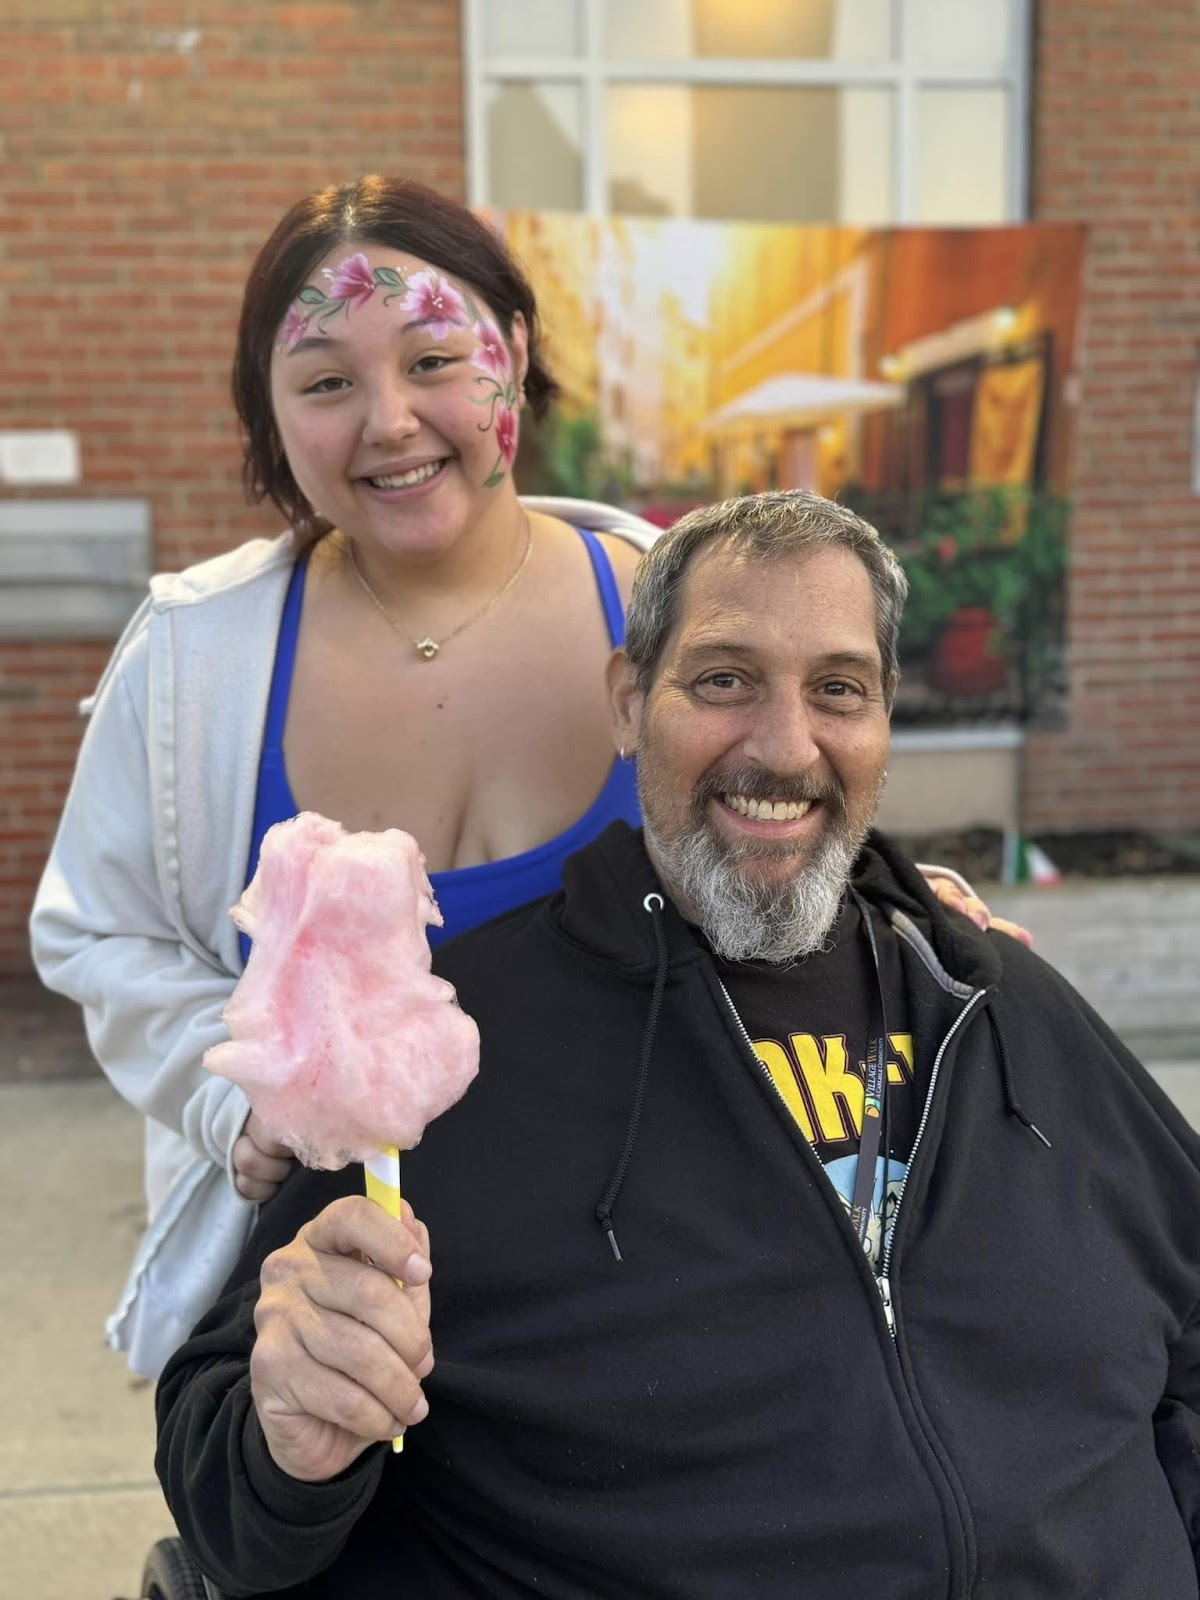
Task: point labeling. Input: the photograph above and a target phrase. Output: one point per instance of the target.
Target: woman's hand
(342, 1345)
(953, 898)
(260, 1163)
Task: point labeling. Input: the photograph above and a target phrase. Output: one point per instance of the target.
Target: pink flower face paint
(435, 301)
(352, 283)
(492, 355)
(499, 394)
(506, 434)
(427, 299)
(351, 280)
(295, 326)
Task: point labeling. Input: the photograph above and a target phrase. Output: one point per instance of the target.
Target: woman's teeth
(406, 480)
(767, 810)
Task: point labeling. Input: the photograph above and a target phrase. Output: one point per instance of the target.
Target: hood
(886, 877)
(610, 890)
(604, 886)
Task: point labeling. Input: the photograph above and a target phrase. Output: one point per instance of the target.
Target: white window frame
(592, 73)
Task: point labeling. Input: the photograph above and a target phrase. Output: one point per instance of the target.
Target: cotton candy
(342, 1038)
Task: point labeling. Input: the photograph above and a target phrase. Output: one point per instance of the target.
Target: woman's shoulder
(257, 561)
(251, 580)
(598, 517)
(623, 535)
(623, 558)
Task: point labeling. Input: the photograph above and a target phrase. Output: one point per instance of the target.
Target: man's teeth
(405, 480)
(764, 810)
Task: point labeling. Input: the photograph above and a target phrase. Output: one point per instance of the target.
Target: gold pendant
(427, 648)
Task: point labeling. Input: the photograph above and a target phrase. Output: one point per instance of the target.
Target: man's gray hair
(782, 522)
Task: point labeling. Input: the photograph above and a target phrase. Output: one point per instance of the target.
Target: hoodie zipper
(885, 1286)
(883, 1281)
(741, 1028)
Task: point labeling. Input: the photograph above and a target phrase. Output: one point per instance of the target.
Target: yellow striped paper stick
(382, 1172)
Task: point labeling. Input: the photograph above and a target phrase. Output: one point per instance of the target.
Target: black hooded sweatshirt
(725, 1411)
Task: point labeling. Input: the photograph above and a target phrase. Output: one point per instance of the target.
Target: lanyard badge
(874, 1103)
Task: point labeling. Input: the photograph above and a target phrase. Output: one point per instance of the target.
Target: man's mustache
(758, 783)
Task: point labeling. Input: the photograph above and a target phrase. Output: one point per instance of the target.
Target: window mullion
(765, 73)
(593, 74)
(595, 148)
(1020, 70)
(904, 143)
(474, 143)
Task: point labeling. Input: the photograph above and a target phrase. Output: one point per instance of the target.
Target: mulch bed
(1116, 853)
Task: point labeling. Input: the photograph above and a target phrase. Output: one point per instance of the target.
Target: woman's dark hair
(396, 212)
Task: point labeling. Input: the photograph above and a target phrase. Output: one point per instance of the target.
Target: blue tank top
(465, 895)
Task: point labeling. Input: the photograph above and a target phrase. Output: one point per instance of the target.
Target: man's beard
(744, 919)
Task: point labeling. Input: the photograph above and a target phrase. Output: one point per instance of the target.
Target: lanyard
(874, 1101)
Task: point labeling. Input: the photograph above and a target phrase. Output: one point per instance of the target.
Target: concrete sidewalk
(1130, 946)
(79, 1505)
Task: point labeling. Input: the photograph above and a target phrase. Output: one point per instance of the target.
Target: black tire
(171, 1574)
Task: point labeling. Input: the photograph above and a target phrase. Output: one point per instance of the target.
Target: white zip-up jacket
(131, 919)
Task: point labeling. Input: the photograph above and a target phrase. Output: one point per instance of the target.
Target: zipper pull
(885, 1290)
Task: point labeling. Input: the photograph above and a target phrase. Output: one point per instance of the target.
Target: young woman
(420, 650)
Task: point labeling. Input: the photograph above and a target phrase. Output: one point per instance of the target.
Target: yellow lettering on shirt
(835, 1091)
(817, 1082)
(783, 1075)
(902, 1044)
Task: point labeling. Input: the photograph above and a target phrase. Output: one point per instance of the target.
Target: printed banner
(923, 376)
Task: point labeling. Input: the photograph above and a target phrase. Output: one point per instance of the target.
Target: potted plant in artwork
(985, 572)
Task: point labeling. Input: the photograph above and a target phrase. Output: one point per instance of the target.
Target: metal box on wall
(72, 569)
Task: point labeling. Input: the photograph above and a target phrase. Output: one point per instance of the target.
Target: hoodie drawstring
(1010, 1088)
(653, 903)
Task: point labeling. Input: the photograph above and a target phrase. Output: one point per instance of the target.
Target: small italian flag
(1029, 863)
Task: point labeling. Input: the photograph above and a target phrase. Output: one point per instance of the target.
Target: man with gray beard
(756, 685)
(757, 679)
(906, 1299)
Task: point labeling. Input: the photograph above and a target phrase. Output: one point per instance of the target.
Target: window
(852, 111)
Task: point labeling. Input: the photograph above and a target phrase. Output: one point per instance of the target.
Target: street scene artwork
(924, 377)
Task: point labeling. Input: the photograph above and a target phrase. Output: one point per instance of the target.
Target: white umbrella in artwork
(801, 400)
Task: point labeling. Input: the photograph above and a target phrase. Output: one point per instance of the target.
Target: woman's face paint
(396, 397)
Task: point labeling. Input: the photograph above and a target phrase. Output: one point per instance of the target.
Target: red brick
(1117, 145)
(126, 229)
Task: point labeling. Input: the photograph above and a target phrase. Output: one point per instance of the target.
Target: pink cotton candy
(343, 1039)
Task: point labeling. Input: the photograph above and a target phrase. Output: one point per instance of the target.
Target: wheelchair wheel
(171, 1574)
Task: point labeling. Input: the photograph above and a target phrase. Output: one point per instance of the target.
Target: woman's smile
(398, 483)
(396, 397)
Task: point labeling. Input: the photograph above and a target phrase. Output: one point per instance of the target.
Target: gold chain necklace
(427, 648)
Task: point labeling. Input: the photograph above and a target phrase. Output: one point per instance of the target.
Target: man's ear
(624, 702)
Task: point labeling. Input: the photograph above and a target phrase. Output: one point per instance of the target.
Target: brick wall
(1117, 145)
(40, 688)
(148, 147)
(147, 150)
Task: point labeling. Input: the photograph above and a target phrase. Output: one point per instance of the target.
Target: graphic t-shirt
(808, 1024)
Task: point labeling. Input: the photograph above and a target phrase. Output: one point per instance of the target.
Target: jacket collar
(605, 886)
